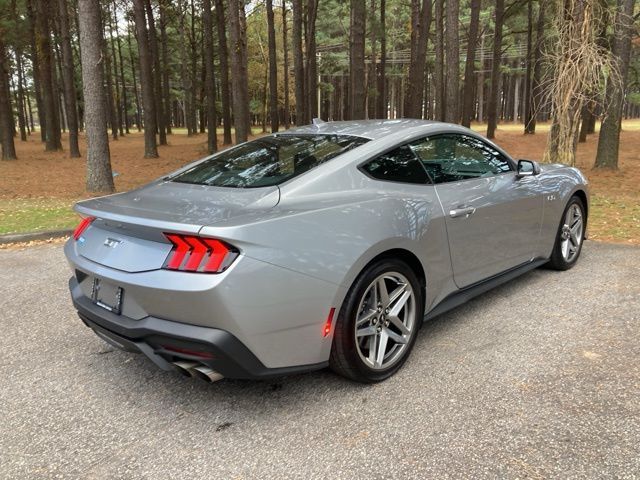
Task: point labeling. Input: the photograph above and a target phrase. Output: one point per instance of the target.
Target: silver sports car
(325, 245)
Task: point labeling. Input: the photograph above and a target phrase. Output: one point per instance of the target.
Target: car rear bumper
(164, 341)
(277, 314)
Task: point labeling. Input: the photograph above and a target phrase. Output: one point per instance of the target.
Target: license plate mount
(107, 295)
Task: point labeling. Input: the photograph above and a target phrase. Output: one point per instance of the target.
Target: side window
(399, 165)
(451, 158)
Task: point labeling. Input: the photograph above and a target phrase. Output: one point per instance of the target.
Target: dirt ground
(38, 175)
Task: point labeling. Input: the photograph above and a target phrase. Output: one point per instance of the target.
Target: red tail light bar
(198, 254)
(82, 226)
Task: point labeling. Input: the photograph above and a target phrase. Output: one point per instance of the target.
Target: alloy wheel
(386, 320)
(572, 233)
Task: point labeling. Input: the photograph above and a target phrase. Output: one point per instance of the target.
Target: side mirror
(527, 168)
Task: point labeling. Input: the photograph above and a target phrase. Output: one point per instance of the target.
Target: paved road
(539, 378)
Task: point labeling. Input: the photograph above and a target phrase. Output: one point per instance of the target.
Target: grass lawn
(38, 190)
(31, 215)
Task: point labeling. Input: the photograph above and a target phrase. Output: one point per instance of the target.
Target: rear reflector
(198, 254)
(82, 226)
(327, 326)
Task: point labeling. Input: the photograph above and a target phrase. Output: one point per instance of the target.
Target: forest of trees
(110, 67)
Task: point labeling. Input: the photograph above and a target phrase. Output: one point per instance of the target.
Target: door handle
(462, 212)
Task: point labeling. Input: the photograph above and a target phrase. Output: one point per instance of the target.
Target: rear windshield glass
(268, 161)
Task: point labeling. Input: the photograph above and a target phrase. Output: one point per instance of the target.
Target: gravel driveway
(539, 378)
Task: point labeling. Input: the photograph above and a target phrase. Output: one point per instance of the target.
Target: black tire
(345, 359)
(557, 261)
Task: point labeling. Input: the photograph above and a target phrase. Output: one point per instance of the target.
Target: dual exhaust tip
(197, 370)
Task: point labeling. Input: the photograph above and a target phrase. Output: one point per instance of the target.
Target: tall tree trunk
(420, 26)
(237, 25)
(224, 71)
(29, 111)
(111, 107)
(114, 59)
(285, 55)
(439, 54)
(6, 110)
(136, 96)
(528, 70)
(534, 93)
(68, 80)
(194, 74)
(99, 175)
(298, 63)
(123, 84)
(469, 68)
(265, 84)
(273, 69)
(312, 61)
(203, 79)
(166, 90)
(370, 93)
(356, 60)
(586, 121)
(382, 87)
(452, 88)
(22, 120)
(187, 82)
(609, 139)
(57, 92)
(210, 81)
(146, 81)
(154, 52)
(492, 107)
(35, 64)
(46, 67)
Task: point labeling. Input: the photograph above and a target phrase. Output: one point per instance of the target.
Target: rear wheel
(569, 237)
(378, 322)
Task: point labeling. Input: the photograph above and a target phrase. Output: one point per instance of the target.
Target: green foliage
(634, 98)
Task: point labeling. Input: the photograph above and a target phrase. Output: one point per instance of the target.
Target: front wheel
(378, 322)
(569, 237)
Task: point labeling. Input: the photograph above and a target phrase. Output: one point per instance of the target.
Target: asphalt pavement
(539, 378)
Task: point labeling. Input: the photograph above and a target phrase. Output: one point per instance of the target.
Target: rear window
(268, 161)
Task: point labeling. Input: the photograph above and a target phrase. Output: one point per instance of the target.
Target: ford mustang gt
(325, 245)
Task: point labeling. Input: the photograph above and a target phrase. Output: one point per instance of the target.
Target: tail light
(82, 226)
(199, 254)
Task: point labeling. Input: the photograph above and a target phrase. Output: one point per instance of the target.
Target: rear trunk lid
(128, 233)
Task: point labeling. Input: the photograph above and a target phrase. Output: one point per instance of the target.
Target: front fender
(558, 183)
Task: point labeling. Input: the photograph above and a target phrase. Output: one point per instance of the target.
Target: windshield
(268, 161)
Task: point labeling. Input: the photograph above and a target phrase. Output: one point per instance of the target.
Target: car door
(492, 217)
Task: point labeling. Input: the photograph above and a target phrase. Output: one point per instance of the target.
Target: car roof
(371, 129)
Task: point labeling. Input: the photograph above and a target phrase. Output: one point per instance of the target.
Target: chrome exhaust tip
(206, 374)
(186, 368)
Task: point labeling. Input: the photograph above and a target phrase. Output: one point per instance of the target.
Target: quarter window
(452, 158)
(399, 165)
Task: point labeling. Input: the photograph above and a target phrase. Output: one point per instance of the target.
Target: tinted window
(399, 165)
(451, 158)
(268, 161)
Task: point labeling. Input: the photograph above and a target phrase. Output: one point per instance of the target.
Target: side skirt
(464, 295)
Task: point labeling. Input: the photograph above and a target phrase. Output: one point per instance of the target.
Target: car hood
(166, 202)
